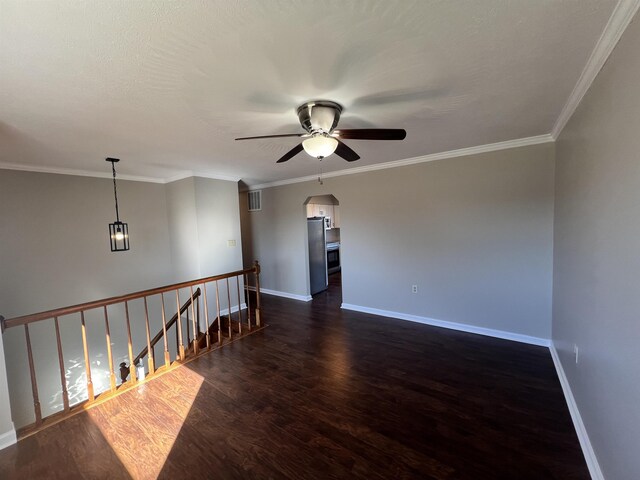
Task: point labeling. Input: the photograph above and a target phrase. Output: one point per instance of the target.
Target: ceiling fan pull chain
(320, 174)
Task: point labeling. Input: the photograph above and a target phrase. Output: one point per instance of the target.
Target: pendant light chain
(115, 189)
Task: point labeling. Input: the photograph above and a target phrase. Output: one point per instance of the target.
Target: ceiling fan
(319, 119)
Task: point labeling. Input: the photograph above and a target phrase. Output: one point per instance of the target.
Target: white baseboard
(234, 309)
(581, 431)
(8, 438)
(489, 332)
(276, 293)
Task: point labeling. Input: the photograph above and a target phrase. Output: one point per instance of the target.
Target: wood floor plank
(324, 393)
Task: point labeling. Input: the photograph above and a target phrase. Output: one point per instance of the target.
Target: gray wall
(55, 252)
(597, 259)
(55, 231)
(218, 221)
(474, 233)
(203, 217)
(183, 231)
(218, 217)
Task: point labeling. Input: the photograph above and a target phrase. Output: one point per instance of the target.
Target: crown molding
(76, 172)
(133, 178)
(177, 177)
(189, 174)
(462, 152)
(226, 178)
(620, 18)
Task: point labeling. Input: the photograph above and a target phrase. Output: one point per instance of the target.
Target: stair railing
(125, 369)
(193, 323)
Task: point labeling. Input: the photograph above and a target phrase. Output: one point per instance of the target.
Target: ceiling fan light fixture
(320, 146)
(319, 119)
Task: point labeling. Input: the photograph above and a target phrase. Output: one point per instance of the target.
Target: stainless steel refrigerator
(317, 255)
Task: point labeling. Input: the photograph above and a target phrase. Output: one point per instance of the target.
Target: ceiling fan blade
(274, 136)
(371, 133)
(291, 153)
(345, 152)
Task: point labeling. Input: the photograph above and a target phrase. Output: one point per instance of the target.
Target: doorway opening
(324, 247)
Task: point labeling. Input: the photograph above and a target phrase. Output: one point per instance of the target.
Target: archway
(324, 252)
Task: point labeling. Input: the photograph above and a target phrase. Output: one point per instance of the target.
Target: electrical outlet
(231, 243)
(414, 288)
(575, 352)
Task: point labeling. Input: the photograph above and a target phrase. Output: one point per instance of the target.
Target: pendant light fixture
(118, 231)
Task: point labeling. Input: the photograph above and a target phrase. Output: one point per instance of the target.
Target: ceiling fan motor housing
(320, 116)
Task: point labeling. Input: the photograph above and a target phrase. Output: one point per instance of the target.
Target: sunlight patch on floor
(142, 424)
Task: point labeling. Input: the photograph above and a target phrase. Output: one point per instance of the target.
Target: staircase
(223, 329)
(219, 309)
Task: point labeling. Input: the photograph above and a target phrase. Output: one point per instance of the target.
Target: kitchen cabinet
(317, 210)
(311, 210)
(325, 211)
(331, 211)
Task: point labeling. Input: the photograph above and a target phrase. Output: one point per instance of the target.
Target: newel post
(256, 265)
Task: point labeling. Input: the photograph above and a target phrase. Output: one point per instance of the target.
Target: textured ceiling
(167, 86)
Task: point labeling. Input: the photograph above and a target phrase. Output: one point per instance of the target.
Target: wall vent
(254, 198)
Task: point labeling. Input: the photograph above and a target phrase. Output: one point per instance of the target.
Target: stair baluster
(219, 316)
(180, 344)
(87, 363)
(132, 367)
(34, 383)
(257, 273)
(167, 357)
(229, 308)
(239, 306)
(112, 375)
(150, 351)
(63, 378)
(195, 320)
(206, 315)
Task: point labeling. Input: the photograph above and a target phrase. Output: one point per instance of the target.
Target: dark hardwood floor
(325, 393)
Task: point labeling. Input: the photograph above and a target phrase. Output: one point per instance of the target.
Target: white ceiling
(167, 86)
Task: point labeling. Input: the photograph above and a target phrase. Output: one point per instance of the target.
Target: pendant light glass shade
(320, 146)
(119, 236)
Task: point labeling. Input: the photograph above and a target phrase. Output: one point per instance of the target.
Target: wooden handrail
(170, 323)
(59, 312)
(192, 348)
